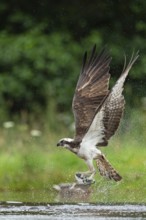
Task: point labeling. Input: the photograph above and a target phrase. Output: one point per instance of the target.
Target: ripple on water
(17, 210)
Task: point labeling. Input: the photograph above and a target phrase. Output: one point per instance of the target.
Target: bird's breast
(90, 152)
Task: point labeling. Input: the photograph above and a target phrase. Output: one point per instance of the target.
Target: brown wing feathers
(96, 64)
(92, 95)
(114, 104)
(91, 90)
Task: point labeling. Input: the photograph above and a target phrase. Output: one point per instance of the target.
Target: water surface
(17, 210)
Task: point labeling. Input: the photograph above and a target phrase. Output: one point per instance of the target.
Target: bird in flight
(97, 113)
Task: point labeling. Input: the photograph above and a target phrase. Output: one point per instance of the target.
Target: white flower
(35, 133)
(8, 124)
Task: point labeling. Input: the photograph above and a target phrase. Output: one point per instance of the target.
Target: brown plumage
(106, 169)
(97, 112)
(91, 90)
(92, 94)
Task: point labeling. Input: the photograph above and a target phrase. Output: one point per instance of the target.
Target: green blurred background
(41, 49)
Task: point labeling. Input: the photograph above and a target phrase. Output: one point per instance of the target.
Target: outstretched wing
(107, 118)
(91, 90)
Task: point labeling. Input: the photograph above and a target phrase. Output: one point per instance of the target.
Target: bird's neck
(74, 146)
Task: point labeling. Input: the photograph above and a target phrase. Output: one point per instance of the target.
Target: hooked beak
(58, 144)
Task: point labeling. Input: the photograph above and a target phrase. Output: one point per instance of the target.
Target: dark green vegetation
(41, 49)
(42, 44)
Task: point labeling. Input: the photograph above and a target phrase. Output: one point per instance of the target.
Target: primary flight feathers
(97, 111)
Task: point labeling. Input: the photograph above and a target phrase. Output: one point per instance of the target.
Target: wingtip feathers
(133, 59)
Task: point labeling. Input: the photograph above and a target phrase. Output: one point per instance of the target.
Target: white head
(64, 142)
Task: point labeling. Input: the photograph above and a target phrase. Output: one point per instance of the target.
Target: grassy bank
(33, 162)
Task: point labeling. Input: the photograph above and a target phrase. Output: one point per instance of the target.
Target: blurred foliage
(34, 69)
(30, 162)
(41, 48)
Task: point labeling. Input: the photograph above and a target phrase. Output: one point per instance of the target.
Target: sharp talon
(88, 181)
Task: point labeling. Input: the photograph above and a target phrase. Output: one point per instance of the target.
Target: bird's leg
(86, 177)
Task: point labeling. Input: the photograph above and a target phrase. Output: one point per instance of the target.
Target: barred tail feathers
(106, 169)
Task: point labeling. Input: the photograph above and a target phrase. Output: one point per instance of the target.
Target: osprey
(97, 112)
